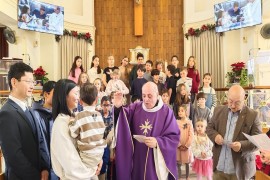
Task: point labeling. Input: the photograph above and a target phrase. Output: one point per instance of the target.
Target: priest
(146, 137)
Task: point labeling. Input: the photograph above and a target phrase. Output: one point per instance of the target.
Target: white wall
(42, 48)
(198, 12)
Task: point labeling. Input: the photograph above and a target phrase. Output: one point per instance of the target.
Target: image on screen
(39, 16)
(235, 14)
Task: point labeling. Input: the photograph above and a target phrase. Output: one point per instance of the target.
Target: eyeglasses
(28, 82)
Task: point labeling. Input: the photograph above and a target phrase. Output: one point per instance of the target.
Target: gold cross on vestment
(146, 126)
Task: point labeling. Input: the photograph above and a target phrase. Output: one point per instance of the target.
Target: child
(201, 111)
(166, 98)
(133, 73)
(83, 78)
(148, 68)
(155, 79)
(95, 71)
(184, 154)
(136, 87)
(90, 145)
(185, 80)
(193, 73)
(175, 62)
(182, 98)
(170, 83)
(108, 121)
(211, 100)
(98, 84)
(76, 69)
(162, 75)
(108, 70)
(115, 84)
(202, 149)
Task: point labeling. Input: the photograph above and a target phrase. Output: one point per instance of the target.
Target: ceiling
(5, 20)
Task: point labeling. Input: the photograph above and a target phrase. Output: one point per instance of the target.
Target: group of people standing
(86, 123)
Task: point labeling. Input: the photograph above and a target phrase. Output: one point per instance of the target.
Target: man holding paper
(147, 137)
(232, 153)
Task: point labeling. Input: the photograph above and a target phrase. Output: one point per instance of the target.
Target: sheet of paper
(262, 141)
(139, 138)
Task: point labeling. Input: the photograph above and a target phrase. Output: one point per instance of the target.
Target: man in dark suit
(20, 138)
(232, 153)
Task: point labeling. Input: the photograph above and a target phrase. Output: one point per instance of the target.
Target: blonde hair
(200, 120)
(178, 100)
(80, 76)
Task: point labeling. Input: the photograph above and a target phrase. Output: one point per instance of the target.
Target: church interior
(158, 29)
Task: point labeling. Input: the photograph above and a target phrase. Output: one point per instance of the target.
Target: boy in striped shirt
(88, 129)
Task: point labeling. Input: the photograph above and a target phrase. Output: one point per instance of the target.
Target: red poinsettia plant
(238, 67)
(40, 74)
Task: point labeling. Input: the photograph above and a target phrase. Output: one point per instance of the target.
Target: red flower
(74, 33)
(204, 28)
(87, 35)
(39, 73)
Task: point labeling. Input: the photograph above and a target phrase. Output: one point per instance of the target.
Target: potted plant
(40, 76)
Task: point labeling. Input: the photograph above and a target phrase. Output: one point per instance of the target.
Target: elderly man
(154, 156)
(233, 153)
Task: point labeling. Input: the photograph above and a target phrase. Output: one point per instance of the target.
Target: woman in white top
(66, 161)
(95, 71)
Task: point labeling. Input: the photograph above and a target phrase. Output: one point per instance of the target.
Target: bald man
(232, 153)
(155, 156)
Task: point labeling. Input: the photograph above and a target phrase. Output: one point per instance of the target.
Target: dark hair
(135, 98)
(25, 9)
(158, 62)
(48, 86)
(18, 70)
(206, 74)
(155, 72)
(92, 64)
(171, 68)
(163, 91)
(141, 67)
(140, 55)
(105, 98)
(175, 57)
(88, 93)
(79, 79)
(149, 62)
(236, 4)
(59, 102)
(201, 95)
(72, 70)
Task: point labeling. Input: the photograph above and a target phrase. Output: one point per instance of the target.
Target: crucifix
(138, 17)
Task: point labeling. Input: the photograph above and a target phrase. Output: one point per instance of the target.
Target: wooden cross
(138, 17)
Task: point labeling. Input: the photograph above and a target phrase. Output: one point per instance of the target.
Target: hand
(236, 146)
(44, 175)
(118, 99)
(99, 168)
(176, 74)
(203, 154)
(150, 142)
(219, 139)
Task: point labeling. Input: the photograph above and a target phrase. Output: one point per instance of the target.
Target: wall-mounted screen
(39, 16)
(235, 14)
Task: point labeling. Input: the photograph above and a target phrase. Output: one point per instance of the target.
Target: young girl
(95, 71)
(98, 84)
(115, 84)
(193, 73)
(83, 78)
(76, 69)
(201, 147)
(182, 98)
(211, 100)
(166, 98)
(106, 77)
(183, 154)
